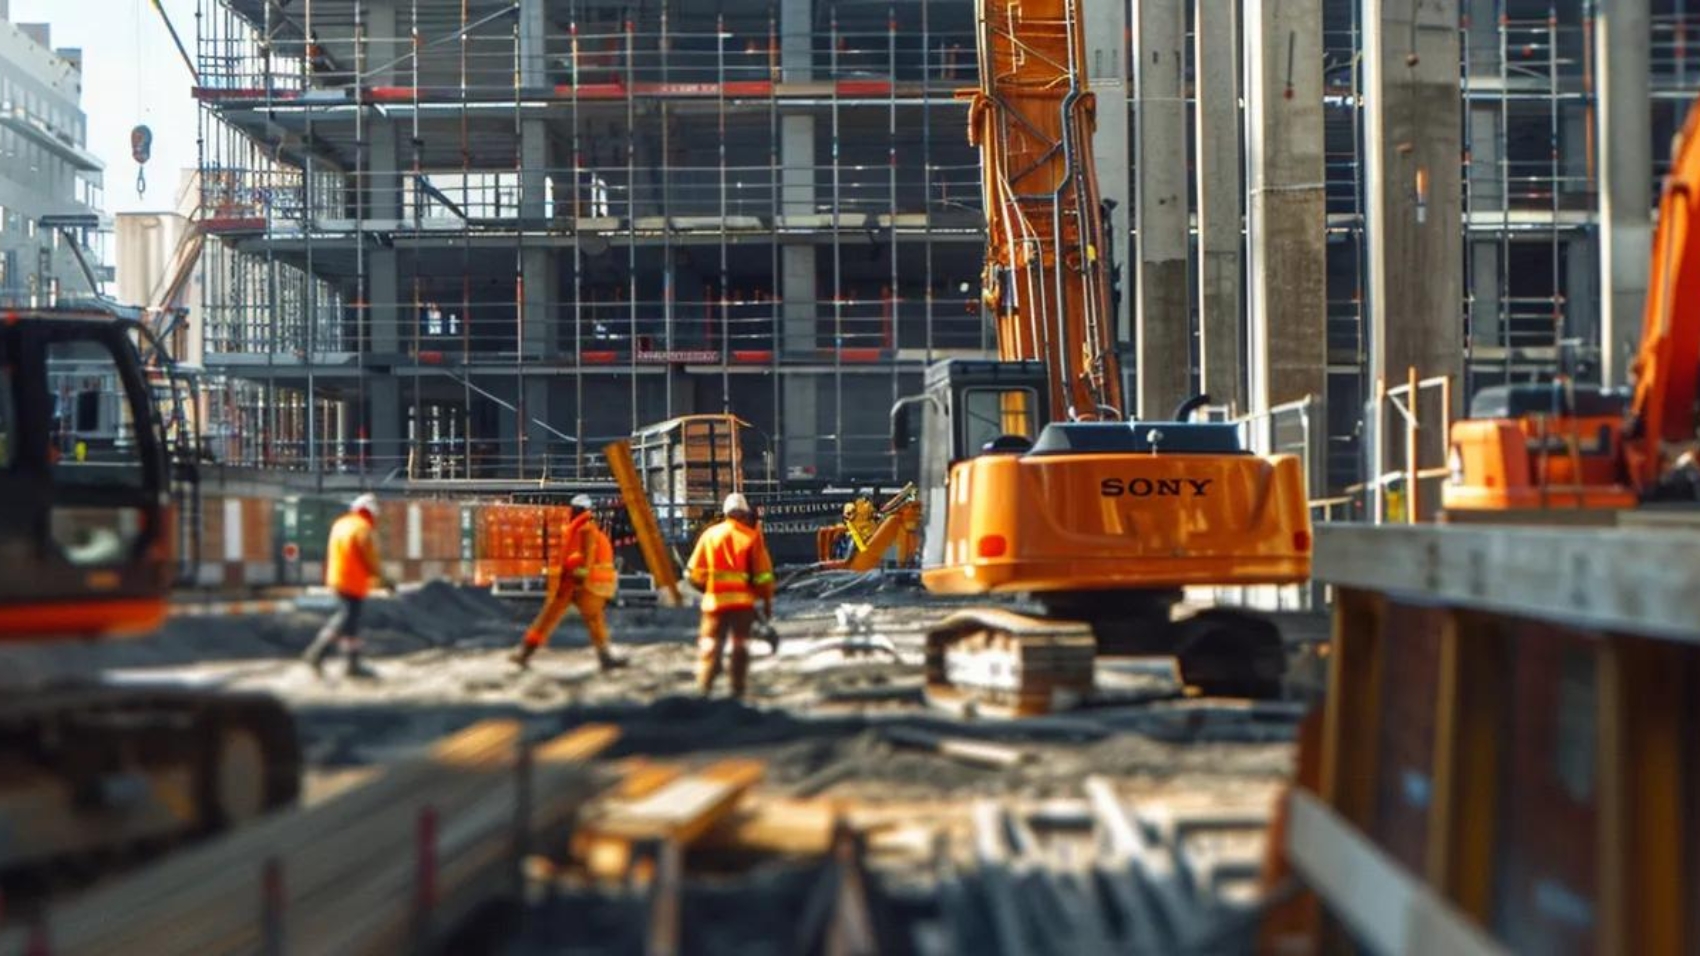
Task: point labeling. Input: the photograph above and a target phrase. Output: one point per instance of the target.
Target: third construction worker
(584, 578)
(732, 569)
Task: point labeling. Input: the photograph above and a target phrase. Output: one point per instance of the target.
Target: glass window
(8, 416)
(991, 413)
(93, 432)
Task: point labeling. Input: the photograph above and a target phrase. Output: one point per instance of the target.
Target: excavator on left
(92, 770)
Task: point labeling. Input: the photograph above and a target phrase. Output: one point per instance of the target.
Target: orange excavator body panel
(1507, 471)
(1564, 456)
(1086, 522)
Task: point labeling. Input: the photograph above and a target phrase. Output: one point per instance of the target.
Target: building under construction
(487, 236)
(486, 244)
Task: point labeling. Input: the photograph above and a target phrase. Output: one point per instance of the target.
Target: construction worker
(732, 569)
(586, 579)
(351, 568)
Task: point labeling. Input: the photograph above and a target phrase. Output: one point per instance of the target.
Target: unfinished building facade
(488, 237)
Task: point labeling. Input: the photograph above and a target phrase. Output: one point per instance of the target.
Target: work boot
(607, 661)
(521, 656)
(357, 669)
(740, 672)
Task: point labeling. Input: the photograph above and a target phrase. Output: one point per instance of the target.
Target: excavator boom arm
(1046, 280)
(1667, 367)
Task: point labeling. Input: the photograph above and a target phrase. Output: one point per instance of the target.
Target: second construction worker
(586, 579)
(732, 569)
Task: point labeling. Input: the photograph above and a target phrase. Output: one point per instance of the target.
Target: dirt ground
(848, 667)
(832, 713)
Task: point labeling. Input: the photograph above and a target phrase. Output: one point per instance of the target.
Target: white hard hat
(581, 502)
(367, 502)
(735, 504)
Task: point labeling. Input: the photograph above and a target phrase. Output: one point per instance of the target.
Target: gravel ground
(819, 705)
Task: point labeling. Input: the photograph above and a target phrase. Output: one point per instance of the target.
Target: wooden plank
(1389, 911)
(1644, 879)
(977, 752)
(776, 826)
(644, 526)
(1629, 581)
(686, 808)
(1474, 675)
(1351, 719)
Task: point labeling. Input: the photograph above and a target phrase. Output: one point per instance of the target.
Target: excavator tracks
(108, 772)
(997, 663)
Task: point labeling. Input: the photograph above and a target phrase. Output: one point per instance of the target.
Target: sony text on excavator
(88, 539)
(1538, 449)
(1032, 482)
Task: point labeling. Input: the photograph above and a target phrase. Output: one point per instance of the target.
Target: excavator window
(93, 435)
(990, 415)
(93, 452)
(8, 420)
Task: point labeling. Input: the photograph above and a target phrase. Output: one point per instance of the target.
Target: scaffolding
(487, 237)
(490, 237)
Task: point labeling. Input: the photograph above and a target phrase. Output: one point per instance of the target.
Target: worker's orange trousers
(555, 609)
(733, 626)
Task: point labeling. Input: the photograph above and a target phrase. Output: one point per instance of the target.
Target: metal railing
(1395, 495)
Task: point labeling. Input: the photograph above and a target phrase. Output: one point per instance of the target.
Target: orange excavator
(1536, 449)
(95, 769)
(1033, 483)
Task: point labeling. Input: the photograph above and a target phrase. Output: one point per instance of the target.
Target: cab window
(992, 413)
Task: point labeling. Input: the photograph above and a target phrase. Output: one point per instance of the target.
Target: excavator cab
(86, 530)
(968, 408)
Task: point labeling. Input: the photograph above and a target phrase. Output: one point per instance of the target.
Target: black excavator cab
(86, 529)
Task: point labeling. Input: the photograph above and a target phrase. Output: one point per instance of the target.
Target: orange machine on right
(1563, 445)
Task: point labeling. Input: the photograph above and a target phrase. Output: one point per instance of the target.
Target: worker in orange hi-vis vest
(351, 568)
(732, 569)
(586, 579)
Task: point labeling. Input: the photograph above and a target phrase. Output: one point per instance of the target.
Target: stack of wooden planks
(378, 868)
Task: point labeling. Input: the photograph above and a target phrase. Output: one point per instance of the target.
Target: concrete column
(533, 31)
(1217, 85)
(1484, 281)
(1164, 325)
(1582, 288)
(539, 441)
(380, 179)
(536, 160)
(387, 448)
(1412, 151)
(542, 303)
(1487, 145)
(796, 40)
(1287, 218)
(798, 287)
(1481, 28)
(1106, 72)
(384, 30)
(1621, 38)
(385, 300)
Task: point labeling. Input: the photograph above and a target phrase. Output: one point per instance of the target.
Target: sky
(131, 74)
